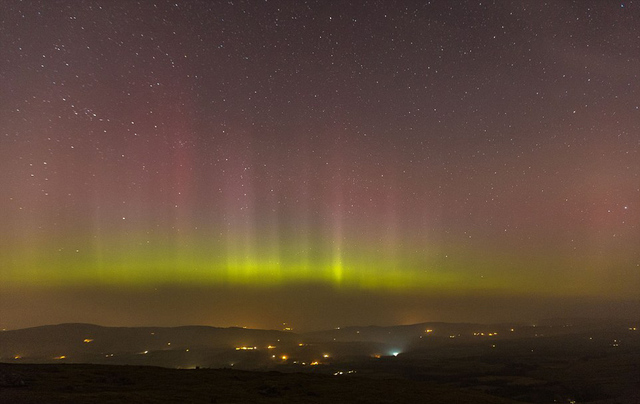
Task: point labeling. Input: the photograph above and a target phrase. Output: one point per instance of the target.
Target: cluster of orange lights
(314, 363)
(281, 357)
(253, 348)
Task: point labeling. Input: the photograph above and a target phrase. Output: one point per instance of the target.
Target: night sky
(320, 163)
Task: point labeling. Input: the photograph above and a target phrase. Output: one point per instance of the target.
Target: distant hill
(89, 338)
(204, 346)
(177, 346)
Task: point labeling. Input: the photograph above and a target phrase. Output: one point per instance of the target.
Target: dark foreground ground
(39, 384)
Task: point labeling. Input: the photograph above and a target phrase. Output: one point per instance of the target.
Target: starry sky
(318, 162)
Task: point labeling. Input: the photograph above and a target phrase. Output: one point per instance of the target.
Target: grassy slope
(137, 384)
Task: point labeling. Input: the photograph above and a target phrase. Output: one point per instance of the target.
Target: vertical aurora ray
(337, 211)
(239, 212)
(390, 241)
(337, 266)
(271, 241)
(183, 189)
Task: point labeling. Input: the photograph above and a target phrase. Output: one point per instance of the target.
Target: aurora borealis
(358, 152)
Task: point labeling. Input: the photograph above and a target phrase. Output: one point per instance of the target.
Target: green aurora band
(141, 263)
